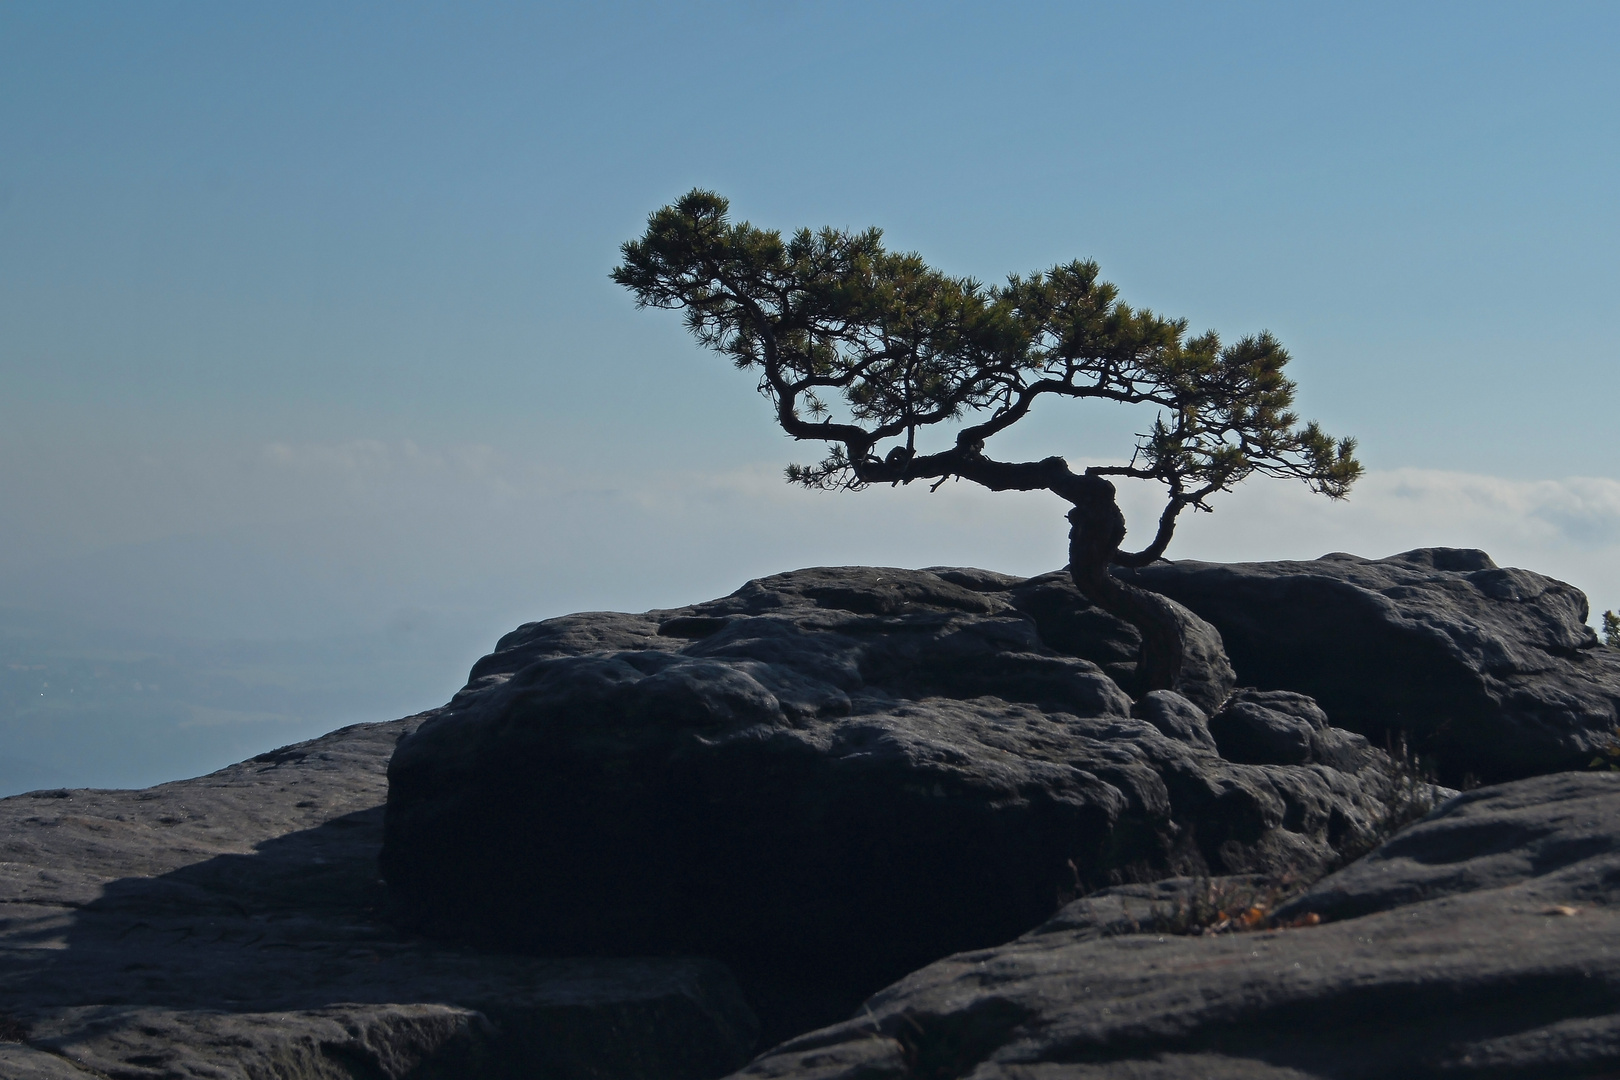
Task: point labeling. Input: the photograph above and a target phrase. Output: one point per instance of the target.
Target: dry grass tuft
(1229, 906)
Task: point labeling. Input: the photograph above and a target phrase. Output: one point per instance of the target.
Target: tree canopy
(864, 350)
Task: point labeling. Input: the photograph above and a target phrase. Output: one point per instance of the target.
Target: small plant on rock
(1411, 791)
(1611, 630)
(1228, 906)
(1411, 794)
(1607, 758)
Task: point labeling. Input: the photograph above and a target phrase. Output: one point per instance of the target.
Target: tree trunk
(1096, 530)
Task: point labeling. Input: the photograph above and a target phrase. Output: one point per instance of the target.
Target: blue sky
(312, 381)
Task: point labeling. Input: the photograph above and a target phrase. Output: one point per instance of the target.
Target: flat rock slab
(1489, 671)
(1481, 942)
(232, 926)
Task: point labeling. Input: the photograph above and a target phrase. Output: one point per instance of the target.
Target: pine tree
(908, 374)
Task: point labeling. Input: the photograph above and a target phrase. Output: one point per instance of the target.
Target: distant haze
(314, 383)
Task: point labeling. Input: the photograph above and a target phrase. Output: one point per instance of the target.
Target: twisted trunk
(1096, 530)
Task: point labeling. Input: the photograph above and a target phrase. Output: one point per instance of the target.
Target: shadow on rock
(279, 963)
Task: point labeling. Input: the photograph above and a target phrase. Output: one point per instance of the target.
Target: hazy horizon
(315, 383)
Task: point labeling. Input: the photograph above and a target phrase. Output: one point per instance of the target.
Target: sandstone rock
(1481, 942)
(1279, 727)
(1489, 671)
(827, 779)
(231, 927)
(1175, 717)
(833, 777)
(1071, 624)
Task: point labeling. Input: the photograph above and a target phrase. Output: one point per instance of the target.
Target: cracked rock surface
(844, 779)
(834, 776)
(1491, 671)
(230, 926)
(1482, 942)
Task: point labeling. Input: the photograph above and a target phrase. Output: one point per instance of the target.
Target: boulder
(829, 778)
(1070, 623)
(1279, 727)
(1481, 942)
(231, 926)
(1175, 717)
(1488, 672)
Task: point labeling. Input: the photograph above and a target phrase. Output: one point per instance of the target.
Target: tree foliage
(868, 351)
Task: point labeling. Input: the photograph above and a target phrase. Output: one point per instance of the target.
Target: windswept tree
(908, 374)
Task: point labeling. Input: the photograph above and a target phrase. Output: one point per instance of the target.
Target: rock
(1482, 942)
(1264, 732)
(1278, 727)
(1207, 675)
(232, 926)
(1175, 717)
(1071, 624)
(1488, 671)
(18, 1062)
(826, 779)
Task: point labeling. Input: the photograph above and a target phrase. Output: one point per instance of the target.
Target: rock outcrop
(1488, 671)
(1483, 942)
(633, 843)
(834, 776)
(231, 927)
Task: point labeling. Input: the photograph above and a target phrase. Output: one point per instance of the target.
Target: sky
(313, 382)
